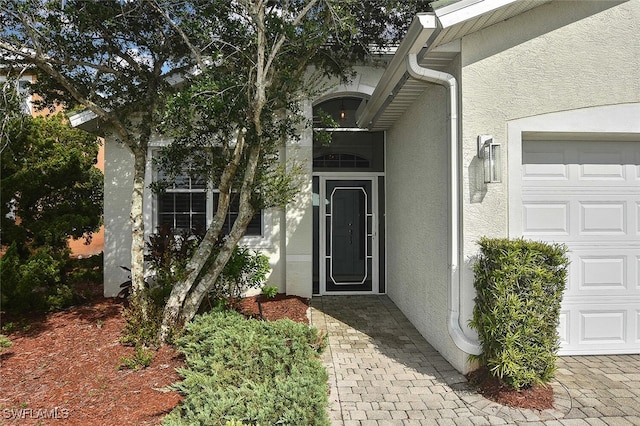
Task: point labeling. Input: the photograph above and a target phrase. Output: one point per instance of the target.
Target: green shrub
(61, 298)
(86, 270)
(141, 358)
(519, 286)
(168, 252)
(4, 342)
(270, 291)
(141, 328)
(34, 282)
(246, 269)
(255, 372)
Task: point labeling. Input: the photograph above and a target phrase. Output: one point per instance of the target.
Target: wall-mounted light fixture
(489, 152)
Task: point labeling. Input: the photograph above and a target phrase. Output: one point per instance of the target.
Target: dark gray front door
(349, 238)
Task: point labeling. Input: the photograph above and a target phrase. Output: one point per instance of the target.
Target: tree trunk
(195, 297)
(172, 310)
(137, 222)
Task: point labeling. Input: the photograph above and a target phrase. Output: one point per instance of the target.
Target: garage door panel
(551, 218)
(602, 172)
(581, 164)
(597, 164)
(601, 327)
(597, 217)
(545, 172)
(610, 271)
(587, 195)
(636, 273)
(603, 218)
(603, 273)
(564, 322)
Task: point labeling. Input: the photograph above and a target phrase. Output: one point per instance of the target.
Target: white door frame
(375, 252)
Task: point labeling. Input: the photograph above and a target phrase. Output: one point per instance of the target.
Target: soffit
(461, 29)
(441, 50)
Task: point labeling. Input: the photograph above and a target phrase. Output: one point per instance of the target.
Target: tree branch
(297, 20)
(192, 48)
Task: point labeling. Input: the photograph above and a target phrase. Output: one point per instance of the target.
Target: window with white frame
(187, 204)
(183, 204)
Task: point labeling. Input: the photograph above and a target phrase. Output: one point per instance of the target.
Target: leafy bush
(50, 189)
(250, 371)
(143, 318)
(141, 358)
(4, 343)
(62, 297)
(169, 251)
(35, 281)
(519, 286)
(270, 291)
(86, 270)
(246, 269)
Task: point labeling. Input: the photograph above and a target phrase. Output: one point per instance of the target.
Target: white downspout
(464, 342)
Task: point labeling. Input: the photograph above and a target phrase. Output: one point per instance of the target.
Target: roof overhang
(85, 120)
(436, 39)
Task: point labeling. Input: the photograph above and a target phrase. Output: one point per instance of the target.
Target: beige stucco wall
(118, 181)
(536, 63)
(417, 172)
(595, 61)
(562, 56)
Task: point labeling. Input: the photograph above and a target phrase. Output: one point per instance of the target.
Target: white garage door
(586, 194)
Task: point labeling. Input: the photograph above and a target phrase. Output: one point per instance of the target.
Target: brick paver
(383, 372)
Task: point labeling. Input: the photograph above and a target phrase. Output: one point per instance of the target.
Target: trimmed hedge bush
(249, 371)
(519, 286)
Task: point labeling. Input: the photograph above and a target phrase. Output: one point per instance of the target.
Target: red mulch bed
(70, 361)
(66, 365)
(535, 397)
(281, 306)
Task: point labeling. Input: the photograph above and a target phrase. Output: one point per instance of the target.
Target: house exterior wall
(297, 235)
(118, 181)
(288, 236)
(117, 207)
(561, 56)
(417, 216)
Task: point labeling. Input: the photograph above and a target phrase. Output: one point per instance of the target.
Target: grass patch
(256, 372)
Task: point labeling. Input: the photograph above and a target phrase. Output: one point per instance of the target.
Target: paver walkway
(383, 372)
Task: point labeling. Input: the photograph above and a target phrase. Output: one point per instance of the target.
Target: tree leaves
(50, 183)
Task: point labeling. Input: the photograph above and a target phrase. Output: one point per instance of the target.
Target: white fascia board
(468, 9)
(79, 118)
(420, 31)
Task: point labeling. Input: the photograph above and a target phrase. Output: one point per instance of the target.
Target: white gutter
(420, 73)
